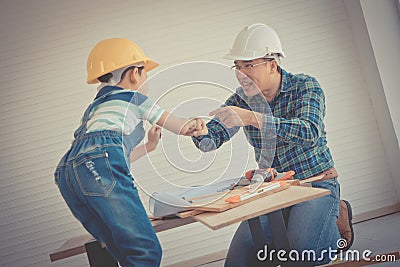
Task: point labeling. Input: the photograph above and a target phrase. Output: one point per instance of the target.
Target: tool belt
(329, 174)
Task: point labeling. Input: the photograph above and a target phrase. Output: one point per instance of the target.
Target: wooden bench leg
(98, 256)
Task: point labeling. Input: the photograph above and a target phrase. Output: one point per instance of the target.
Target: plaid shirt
(294, 136)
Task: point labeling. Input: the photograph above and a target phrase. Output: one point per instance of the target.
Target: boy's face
(142, 82)
(136, 81)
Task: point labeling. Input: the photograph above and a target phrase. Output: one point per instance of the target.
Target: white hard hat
(256, 41)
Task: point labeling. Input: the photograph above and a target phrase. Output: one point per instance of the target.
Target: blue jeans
(311, 225)
(95, 182)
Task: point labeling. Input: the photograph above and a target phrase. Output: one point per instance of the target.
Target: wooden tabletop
(214, 220)
(286, 198)
(76, 245)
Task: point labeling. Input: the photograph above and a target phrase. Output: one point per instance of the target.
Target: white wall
(384, 34)
(44, 45)
(377, 38)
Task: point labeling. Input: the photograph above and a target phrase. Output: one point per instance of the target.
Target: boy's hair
(106, 77)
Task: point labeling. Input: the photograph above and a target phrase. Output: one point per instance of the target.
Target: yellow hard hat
(112, 54)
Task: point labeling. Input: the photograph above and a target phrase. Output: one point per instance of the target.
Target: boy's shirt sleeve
(148, 109)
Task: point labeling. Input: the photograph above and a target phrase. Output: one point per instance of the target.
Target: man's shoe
(345, 225)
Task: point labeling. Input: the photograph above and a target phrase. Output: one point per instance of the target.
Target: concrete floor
(380, 235)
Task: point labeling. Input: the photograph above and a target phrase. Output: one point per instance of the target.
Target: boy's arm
(153, 136)
(177, 125)
(138, 152)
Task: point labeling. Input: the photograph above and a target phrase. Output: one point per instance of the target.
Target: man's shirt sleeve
(218, 133)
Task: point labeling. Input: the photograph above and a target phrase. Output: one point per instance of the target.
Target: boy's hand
(189, 127)
(201, 128)
(153, 136)
(194, 127)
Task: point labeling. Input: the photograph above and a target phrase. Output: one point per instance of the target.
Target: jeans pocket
(93, 173)
(331, 184)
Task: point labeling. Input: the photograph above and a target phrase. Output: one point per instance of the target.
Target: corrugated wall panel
(43, 53)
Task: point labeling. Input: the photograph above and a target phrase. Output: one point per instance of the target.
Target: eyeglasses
(248, 66)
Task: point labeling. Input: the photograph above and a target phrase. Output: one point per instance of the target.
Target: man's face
(252, 75)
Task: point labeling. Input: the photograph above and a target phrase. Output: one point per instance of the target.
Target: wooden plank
(264, 205)
(166, 224)
(76, 245)
(189, 213)
(71, 247)
(294, 182)
(221, 205)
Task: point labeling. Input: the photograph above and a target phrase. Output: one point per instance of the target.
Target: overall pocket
(93, 173)
(57, 176)
(59, 172)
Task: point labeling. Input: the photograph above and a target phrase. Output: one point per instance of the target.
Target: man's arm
(303, 129)
(217, 133)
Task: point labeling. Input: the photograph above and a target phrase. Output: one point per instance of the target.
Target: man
(94, 177)
(295, 113)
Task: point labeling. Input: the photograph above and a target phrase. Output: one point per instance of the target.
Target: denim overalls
(95, 182)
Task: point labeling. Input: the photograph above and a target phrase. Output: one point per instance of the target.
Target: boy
(94, 176)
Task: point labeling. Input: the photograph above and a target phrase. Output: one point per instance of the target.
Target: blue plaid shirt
(294, 136)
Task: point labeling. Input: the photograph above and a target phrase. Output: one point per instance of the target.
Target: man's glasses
(248, 66)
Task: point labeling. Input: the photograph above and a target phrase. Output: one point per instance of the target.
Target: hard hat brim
(148, 66)
(235, 57)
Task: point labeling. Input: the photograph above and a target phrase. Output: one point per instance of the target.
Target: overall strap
(105, 92)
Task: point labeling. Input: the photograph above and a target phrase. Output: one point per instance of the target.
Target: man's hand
(232, 116)
(153, 136)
